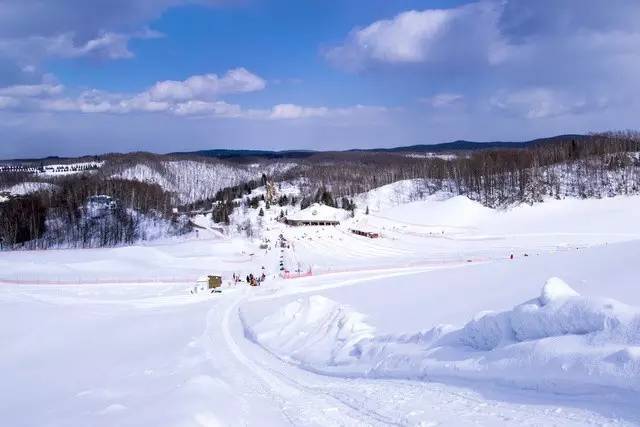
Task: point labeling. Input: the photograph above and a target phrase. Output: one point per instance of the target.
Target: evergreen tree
(261, 213)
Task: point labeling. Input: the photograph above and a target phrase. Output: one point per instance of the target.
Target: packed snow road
(154, 355)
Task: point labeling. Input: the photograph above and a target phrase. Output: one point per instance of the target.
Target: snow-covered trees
(62, 215)
(147, 187)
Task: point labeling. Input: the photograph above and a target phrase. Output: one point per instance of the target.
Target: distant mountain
(463, 145)
(459, 145)
(237, 154)
(247, 155)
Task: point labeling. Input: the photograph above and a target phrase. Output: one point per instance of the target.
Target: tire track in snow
(310, 405)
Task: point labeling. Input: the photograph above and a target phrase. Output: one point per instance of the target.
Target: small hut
(208, 284)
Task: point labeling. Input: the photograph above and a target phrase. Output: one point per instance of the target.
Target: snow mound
(440, 209)
(314, 331)
(394, 194)
(558, 311)
(555, 289)
(560, 341)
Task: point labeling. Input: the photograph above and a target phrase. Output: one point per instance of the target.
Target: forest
(150, 196)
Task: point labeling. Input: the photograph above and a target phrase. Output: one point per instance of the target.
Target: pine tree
(261, 213)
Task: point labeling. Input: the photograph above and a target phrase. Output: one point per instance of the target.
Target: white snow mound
(560, 341)
(314, 330)
(556, 289)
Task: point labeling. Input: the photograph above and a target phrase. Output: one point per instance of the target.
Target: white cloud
(540, 103)
(7, 102)
(204, 108)
(208, 86)
(37, 90)
(194, 96)
(291, 111)
(406, 38)
(106, 45)
(442, 100)
(530, 59)
(413, 37)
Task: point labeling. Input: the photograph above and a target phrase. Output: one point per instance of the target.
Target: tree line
(62, 216)
(599, 165)
(596, 166)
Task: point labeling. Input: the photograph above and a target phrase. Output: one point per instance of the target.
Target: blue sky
(166, 75)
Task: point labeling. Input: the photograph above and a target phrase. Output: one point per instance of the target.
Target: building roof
(318, 212)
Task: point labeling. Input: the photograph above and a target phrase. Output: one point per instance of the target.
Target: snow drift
(560, 341)
(314, 330)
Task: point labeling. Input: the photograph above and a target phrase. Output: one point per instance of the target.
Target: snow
(556, 289)
(319, 212)
(399, 192)
(432, 322)
(194, 180)
(432, 156)
(71, 168)
(25, 188)
(54, 169)
(314, 330)
(456, 211)
(570, 344)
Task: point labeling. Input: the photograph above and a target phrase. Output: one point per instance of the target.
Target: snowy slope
(390, 195)
(193, 180)
(418, 327)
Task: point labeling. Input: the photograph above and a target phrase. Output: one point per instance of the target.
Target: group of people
(251, 279)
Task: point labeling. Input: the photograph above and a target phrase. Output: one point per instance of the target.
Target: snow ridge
(560, 341)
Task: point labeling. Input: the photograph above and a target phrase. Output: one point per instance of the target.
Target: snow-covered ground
(71, 168)
(433, 323)
(25, 188)
(54, 169)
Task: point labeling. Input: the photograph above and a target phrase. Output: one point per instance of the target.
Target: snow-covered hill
(193, 180)
(432, 321)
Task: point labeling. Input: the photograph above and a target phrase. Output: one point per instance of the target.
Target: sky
(90, 77)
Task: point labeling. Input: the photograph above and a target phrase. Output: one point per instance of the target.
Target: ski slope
(407, 329)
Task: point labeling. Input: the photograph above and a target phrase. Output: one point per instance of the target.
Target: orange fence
(295, 275)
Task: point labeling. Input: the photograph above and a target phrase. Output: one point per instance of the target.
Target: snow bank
(315, 330)
(560, 341)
